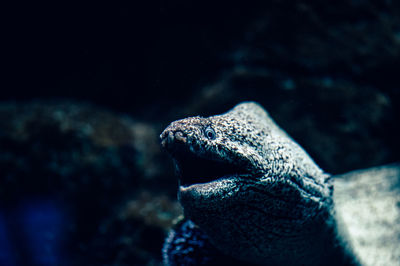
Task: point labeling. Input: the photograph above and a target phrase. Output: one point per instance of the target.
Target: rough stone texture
(368, 202)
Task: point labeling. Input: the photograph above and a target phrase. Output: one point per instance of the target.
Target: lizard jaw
(193, 170)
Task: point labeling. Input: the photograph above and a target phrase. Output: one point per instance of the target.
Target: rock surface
(94, 177)
(368, 203)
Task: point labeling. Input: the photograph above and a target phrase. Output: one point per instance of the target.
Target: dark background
(124, 56)
(87, 88)
(154, 59)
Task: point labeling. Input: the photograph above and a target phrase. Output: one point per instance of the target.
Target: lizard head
(240, 174)
(208, 149)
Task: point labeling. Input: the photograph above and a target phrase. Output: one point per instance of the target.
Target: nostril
(166, 138)
(169, 137)
(162, 136)
(179, 136)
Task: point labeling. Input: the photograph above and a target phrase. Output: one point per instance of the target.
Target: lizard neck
(260, 225)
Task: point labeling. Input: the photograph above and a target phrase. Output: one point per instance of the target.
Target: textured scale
(257, 196)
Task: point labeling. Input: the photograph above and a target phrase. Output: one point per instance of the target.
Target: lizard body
(254, 191)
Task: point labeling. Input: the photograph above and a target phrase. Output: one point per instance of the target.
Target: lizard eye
(210, 133)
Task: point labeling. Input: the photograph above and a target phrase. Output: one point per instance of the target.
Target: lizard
(251, 194)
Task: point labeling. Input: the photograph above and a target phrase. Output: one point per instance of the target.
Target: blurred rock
(86, 164)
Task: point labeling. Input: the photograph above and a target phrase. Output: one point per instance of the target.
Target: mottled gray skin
(278, 210)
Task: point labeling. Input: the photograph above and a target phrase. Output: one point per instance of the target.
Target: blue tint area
(43, 226)
(6, 253)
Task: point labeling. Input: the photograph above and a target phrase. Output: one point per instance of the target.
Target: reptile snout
(171, 138)
(182, 134)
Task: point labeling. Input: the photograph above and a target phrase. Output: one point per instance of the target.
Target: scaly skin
(255, 192)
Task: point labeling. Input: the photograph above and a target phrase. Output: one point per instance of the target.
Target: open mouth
(193, 169)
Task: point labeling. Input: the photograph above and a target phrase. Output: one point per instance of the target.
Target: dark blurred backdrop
(86, 88)
(124, 56)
